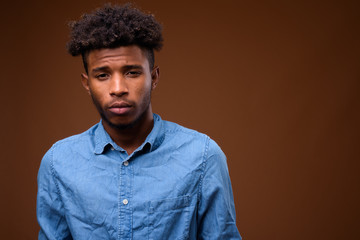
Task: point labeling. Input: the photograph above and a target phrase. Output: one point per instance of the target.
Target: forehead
(124, 55)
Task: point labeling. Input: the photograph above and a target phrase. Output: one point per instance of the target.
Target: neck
(131, 138)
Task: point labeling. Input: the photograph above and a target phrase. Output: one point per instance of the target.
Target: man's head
(114, 26)
(117, 44)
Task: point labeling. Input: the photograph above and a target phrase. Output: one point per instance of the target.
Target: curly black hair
(113, 26)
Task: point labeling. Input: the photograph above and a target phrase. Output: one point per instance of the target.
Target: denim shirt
(176, 185)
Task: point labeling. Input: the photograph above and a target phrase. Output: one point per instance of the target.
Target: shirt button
(125, 201)
(112, 148)
(126, 163)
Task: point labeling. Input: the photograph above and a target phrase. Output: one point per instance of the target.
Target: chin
(122, 124)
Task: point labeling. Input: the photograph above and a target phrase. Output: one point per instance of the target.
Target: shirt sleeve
(216, 212)
(49, 207)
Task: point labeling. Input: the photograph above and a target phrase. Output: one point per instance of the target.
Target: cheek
(96, 95)
(142, 89)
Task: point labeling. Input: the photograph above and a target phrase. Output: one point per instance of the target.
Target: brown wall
(275, 83)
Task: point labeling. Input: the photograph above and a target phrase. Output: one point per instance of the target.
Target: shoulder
(75, 141)
(68, 147)
(176, 132)
(176, 129)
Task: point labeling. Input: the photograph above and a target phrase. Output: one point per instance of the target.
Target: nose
(118, 86)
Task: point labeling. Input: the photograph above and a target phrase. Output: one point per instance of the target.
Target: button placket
(125, 228)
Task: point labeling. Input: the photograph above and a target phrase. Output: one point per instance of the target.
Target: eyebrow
(133, 67)
(99, 69)
(126, 67)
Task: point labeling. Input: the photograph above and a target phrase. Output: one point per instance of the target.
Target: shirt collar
(102, 139)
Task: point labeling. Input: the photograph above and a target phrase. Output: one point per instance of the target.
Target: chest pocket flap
(169, 204)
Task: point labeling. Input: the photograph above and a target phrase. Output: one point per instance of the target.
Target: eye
(102, 76)
(133, 74)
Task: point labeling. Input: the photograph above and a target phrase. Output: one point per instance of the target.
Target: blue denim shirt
(176, 185)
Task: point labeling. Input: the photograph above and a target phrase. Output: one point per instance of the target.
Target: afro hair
(113, 26)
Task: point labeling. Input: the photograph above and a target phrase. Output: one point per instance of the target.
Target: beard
(122, 126)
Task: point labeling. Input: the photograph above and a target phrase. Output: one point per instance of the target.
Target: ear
(85, 82)
(155, 76)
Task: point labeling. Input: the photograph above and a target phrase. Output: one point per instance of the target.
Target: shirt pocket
(169, 218)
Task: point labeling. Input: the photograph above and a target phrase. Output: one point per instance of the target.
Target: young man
(132, 175)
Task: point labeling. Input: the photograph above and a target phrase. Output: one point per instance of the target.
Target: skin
(120, 82)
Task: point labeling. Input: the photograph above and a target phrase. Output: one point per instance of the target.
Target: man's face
(120, 83)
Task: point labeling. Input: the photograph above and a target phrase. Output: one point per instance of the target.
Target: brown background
(275, 83)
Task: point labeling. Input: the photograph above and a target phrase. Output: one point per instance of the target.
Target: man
(132, 175)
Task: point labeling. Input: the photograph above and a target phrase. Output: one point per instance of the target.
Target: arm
(216, 212)
(49, 208)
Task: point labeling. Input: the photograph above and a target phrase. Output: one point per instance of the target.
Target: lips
(120, 108)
